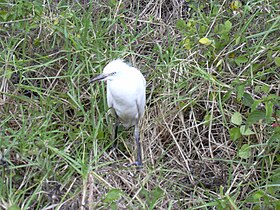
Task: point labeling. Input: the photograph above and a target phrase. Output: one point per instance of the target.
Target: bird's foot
(137, 164)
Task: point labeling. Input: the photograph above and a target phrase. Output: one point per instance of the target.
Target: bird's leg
(137, 139)
(115, 132)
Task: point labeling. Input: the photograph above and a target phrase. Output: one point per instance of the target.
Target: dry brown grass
(191, 160)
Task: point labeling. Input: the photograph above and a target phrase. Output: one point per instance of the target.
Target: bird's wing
(109, 98)
(141, 99)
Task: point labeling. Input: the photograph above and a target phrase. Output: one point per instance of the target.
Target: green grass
(210, 133)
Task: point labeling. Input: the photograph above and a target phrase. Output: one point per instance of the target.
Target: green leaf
(9, 73)
(240, 60)
(219, 62)
(187, 44)
(144, 193)
(245, 131)
(113, 206)
(273, 96)
(245, 151)
(205, 41)
(225, 37)
(265, 88)
(236, 118)
(255, 116)
(13, 207)
(226, 96)
(227, 25)
(4, 14)
(156, 193)
(277, 61)
(207, 118)
(237, 40)
(262, 88)
(247, 100)
(255, 104)
(152, 196)
(234, 133)
(257, 195)
(235, 5)
(181, 25)
(240, 91)
(113, 195)
(56, 21)
(100, 134)
(268, 110)
(275, 137)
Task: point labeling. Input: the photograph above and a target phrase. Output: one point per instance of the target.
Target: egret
(126, 96)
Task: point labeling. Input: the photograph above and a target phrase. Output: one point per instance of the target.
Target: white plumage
(126, 95)
(125, 92)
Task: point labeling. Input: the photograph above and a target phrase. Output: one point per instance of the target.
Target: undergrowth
(211, 129)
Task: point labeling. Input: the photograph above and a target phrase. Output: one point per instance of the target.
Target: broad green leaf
(100, 134)
(227, 25)
(156, 194)
(262, 88)
(113, 195)
(236, 118)
(241, 59)
(181, 25)
(187, 44)
(255, 104)
(258, 89)
(275, 137)
(265, 88)
(144, 193)
(234, 133)
(191, 23)
(257, 195)
(237, 40)
(4, 14)
(227, 96)
(113, 206)
(235, 5)
(205, 41)
(272, 97)
(152, 196)
(219, 62)
(202, 29)
(225, 36)
(255, 116)
(245, 131)
(219, 44)
(275, 177)
(231, 55)
(240, 91)
(56, 21)
(13, 207)
(247, 100)
(277, 61)
(207, 118)
(268, 110)
(245, 151)
(9, 73)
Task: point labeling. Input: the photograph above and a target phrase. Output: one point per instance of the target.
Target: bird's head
(111, 70)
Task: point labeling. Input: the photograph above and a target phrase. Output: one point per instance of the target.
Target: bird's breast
(122, 97)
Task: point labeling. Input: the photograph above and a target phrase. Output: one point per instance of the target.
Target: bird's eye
(113, 73)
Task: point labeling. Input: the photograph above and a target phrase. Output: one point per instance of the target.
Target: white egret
(126, 95)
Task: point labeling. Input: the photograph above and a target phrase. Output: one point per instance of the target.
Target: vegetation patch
(211, 129)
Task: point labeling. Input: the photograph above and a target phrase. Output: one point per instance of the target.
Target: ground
(211, 130)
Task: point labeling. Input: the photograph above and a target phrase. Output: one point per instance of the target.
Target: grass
(210, 133)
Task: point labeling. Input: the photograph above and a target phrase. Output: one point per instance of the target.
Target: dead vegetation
(56, 132)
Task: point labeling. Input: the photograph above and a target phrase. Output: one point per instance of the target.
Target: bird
(126, 96)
